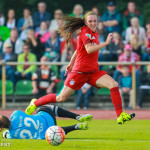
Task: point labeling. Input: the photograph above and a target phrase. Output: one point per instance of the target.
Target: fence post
(133, 87)
(3, 86)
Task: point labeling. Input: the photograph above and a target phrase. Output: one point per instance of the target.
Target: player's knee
(113, 84)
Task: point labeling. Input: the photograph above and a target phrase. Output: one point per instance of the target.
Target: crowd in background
(35, 37)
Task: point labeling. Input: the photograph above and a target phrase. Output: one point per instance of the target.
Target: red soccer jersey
(86, 62)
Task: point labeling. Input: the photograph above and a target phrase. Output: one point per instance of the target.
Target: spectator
(135, 43)
(15, 41)
(54, 23)
(95, 9)
(146, 56)
(115, 47)
(66, 57)
(4, 33)
(111, 18)
(43, 80)
(78, 11)
(35, 44)
(86, 91)
(25, 71)
(9, 56)
(130, 13)
(11, 21)
(125, 85)
(135, 29)
(144, 88)
(43, 33)
(52, 47)
(128, 56)
(2, 18)
(25, 23)
(41, 15)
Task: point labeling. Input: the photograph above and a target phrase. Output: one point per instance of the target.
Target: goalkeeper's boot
(125, 117)
(84, 118)
(81, 126)
(31, 108)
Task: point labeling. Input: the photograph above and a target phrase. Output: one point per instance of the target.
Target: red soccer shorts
(77, 79)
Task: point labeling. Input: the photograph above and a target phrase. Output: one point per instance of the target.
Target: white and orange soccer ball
(55, 135)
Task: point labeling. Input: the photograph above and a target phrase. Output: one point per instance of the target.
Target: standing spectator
(11, 21)
(43, 32)
(43, 80)
(111, 18)
(95, 9)
(35, 44)
(125, 85)
(128, 56)
(115, 47)
(2, 18)
(41, 15)
(25, 71)
(9, 56)
(130, 13)
(86, 91)
(25, 23)
(54, 23)
(77, 11)
(16, 42)
(135, 29)
(52, 47)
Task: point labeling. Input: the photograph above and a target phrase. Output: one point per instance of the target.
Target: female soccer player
(83, 67)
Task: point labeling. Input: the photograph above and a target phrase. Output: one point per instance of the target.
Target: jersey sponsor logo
(72, 82)
(88, 35)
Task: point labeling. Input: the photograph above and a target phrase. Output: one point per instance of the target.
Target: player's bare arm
(93, 48)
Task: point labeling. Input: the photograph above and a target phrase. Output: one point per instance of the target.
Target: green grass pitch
(102, 135)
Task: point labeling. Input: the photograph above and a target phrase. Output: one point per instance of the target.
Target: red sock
(116, 99)
(50, 98)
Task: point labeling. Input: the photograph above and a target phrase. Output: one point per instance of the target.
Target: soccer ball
(55, 135)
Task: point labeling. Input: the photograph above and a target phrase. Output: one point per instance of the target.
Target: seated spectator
(11, 21)
(25, 23)
(78, 11)
(43, 80)
(16, 42)
(66, 57)
(135, 29)
(136, 45)
(2, 18)
(4, 33)
(86, 91)
(95, 9)
(9, 56)
(146, 56)
(52, 47)
(35, 44)
(130, 13)
(144, 88)
(111, 18)
(125, 85)
(43, 32)
(115, 47)
(54, 23)
(41, 15)
(128, 56)
(25, 71)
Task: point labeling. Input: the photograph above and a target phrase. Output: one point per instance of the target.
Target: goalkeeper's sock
(50, 98)
(116, 99)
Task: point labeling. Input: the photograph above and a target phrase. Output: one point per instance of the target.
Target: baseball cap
(6, 45)
(127, 47)
(111, 3)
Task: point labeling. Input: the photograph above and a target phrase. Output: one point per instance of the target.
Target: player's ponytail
(71, 25)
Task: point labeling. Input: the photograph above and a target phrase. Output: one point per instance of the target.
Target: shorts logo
(72, 82)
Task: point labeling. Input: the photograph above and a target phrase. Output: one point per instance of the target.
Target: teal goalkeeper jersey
(25, 126)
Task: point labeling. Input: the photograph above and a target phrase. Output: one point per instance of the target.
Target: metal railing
(3, 64)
